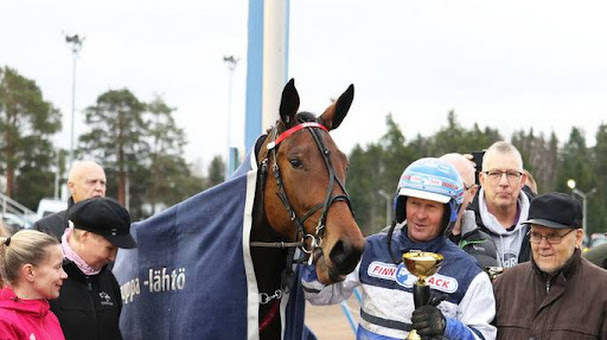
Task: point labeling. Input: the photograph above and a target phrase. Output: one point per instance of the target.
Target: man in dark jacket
(559, 294)
(86, 180)
(465, 233)
(89, 302)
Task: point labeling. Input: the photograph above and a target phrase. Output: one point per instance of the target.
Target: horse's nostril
(344, 256)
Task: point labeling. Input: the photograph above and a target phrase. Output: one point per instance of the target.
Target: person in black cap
(90, 302)
(559, 294)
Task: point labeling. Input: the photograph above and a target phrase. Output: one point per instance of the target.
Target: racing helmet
(431, 179)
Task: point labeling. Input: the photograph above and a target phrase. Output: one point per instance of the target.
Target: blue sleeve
(457, 330)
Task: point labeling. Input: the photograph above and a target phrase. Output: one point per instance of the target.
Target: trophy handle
(421, 295)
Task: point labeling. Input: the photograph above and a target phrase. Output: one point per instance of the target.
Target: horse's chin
(326, 274)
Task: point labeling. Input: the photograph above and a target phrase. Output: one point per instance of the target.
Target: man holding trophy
(439, 291)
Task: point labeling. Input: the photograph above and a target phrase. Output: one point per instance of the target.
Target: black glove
(428, 321)
(436, 298)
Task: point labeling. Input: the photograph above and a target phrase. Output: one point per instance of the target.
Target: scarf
(71, 255)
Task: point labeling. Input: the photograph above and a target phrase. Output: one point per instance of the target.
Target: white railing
(11, 206)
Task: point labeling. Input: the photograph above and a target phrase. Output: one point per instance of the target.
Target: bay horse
(223, 263)
(301, 201)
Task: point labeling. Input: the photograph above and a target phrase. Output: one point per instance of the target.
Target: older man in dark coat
(559, 294)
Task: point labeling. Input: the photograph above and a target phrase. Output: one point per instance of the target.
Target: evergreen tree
(170, 179)
(363, 183)
(598, 201)
(576, 163)
(217, 170)
(117, 135)
(27, 122)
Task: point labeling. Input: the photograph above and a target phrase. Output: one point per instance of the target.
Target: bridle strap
(281, 193)
(278, 245)
(326, 153)
(294, 129)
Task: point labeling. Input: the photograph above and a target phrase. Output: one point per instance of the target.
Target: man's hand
(428, 321)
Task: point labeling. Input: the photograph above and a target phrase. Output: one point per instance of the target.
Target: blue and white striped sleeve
(475, 312)
(320, 294)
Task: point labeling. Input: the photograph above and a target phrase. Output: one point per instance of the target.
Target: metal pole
(76, 44)
(584, 217)
(56, 191)
(231, 160)
(388, 205)
(73, 108)
(584, 197)
(275, 43)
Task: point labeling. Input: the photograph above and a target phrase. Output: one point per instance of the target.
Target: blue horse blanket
(192, 275)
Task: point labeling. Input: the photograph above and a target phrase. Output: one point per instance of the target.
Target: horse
(306, 201)
(229, 256)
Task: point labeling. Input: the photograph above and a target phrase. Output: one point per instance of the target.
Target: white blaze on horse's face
(312, 173)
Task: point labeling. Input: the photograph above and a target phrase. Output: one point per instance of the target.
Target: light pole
(571, 185)
(231, 61)
(388, 198)
(75, 43)
(584, 196)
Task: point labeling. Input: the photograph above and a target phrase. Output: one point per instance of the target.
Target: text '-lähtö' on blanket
(157, 281)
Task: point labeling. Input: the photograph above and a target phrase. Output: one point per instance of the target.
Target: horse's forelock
(304, 117)
(301, 117)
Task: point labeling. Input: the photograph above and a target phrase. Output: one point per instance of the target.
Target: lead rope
(270, 316)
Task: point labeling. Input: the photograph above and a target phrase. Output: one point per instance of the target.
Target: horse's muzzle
(345, 256)
(342, 260)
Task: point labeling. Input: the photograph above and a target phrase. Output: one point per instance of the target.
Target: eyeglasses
(554, 238)
(496, 175)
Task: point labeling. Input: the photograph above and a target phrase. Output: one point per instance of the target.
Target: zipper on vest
(547, 287)
(89, 284)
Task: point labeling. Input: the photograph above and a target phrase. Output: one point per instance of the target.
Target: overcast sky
(506, 65)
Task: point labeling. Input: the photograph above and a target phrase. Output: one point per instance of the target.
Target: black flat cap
(555, 210)
(106, 217)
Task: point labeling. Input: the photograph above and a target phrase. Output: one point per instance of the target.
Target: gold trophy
(422, 264)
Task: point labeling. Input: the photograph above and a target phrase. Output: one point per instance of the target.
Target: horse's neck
(268, 262)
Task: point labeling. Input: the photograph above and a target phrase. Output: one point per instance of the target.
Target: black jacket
(88, 307)
(476, 242)
(54, 224)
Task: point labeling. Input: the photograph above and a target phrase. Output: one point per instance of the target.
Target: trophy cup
(422, 265)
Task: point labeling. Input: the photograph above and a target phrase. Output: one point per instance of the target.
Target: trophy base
(413, 335)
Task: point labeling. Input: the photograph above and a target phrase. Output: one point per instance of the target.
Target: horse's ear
(289, 103)
(336, 112)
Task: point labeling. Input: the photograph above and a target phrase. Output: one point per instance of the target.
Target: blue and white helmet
(431, 179)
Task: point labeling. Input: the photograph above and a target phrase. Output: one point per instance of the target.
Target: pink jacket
(27, 319)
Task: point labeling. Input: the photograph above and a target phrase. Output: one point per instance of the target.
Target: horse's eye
(295, 163)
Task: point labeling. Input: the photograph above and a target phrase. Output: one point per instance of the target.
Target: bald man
(86, 180)
(465, 233)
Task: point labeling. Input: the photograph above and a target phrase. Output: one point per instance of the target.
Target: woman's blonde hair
(25, 246)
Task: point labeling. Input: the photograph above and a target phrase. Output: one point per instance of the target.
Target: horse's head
(304, 195)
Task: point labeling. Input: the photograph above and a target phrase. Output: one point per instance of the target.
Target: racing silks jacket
(387, 290)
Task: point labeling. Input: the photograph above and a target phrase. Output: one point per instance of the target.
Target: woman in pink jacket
(31, 267)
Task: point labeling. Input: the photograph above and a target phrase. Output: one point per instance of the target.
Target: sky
(508, 65)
